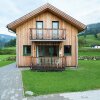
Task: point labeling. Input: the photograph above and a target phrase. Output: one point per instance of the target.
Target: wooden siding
(23, 38)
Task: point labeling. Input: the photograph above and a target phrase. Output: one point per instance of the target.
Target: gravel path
(10, 83)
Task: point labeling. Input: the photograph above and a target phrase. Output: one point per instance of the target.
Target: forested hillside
(92, 29)
(4, 39)
(90, 36)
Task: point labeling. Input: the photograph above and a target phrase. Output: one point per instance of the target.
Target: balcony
(47, 34)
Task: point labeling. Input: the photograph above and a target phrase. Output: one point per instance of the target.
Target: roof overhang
(47, 7)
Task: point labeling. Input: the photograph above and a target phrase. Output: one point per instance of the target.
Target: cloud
(13, 9)
(8, 12)
(9, 8)
(79, 9)
(4, 30)
(93, 16)
(85, 11)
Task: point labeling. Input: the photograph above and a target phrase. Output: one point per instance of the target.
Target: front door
(46, 54)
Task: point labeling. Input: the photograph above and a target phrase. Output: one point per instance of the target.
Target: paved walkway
(87, 95)
(10, 83)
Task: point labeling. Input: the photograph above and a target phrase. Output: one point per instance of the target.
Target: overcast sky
(86, 11)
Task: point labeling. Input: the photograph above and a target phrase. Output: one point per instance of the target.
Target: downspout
(76, 51)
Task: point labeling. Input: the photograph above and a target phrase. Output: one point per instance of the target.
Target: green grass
(86, 77)
(5, 53)
(86, 43)
(3, 60)
(3, 57)
(88, 51)
(8, 51)
(3, 63)
(10, 48)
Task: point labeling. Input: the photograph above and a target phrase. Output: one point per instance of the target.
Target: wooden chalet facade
(46, 37)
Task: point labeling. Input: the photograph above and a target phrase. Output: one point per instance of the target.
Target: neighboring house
(96, 46)
(46, 37)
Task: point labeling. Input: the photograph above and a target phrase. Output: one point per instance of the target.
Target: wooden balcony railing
(48, 63)
(47, 34)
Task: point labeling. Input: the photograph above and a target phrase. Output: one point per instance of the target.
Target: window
(39, 27)
(55, 24)
(27, 50)
(55, 27)
(67, 50)
(39, 24)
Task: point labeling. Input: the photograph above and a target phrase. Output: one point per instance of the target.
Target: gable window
(26, 50)
(55, 24)
(55, 27)
(67, 50)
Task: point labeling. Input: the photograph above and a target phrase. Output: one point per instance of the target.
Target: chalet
(46, 38)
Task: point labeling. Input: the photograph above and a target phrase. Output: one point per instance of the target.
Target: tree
(11, 43)
(81, 42)
(95, 35)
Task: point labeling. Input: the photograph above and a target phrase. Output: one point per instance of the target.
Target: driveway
(10, 83)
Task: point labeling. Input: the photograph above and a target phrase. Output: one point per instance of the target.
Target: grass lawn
(9, 48)
(8, 51)
(88, 51)
(3, 61)
(2, 57)
(86, 77)
(91, 53)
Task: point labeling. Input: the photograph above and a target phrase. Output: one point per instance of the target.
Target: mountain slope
(5, 38)
(92, 29)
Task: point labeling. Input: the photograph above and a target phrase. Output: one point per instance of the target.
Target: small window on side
(27, 50)
(67, 50)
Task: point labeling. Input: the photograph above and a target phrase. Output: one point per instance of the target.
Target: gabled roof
(47, 7)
